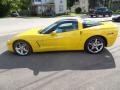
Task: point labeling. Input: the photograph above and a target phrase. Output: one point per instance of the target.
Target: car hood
(33, 31)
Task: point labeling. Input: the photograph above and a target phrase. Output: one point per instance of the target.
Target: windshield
(101, 9)
(49, 28)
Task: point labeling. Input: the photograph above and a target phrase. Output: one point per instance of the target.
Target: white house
(49, 6)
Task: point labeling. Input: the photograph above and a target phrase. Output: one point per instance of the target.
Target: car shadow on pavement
(57, 61)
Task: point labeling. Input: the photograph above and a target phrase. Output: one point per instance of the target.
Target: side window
(87, 24)
(107, 9)
(67, 26)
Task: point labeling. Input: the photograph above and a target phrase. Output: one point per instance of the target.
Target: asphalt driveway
(70, 70)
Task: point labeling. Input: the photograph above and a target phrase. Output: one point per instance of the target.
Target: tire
(110, 15)
(91, 16)
(22, 48)
(97, 15)
(104, 15)
(94, 45)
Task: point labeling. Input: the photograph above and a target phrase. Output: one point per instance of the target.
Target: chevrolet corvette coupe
(67, 34)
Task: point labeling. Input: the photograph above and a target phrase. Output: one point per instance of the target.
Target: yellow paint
(73, 40)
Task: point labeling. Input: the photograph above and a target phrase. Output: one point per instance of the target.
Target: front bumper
(10, 46)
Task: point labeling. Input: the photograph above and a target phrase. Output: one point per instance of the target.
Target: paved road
(74, 70)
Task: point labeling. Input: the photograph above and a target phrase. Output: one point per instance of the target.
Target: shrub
(118, 11)
(78, 10)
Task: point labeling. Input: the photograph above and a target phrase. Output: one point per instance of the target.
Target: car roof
(70, 19)
(101, 8)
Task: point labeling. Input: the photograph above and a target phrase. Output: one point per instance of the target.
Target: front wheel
(91, 16)
(94, 45)
(22, 48)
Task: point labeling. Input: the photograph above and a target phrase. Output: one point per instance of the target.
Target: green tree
(4, 7)
(70, 3)
(25, 4)
(7, 6)
(109, 3)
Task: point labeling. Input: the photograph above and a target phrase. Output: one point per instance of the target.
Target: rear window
(88, 23)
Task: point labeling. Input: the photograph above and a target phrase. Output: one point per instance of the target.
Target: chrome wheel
(95, 45)
(21, 48)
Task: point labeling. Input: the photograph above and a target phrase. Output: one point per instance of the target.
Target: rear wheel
(94, 45)
(109, 15)
(104, 15)
(22, 48)
(91, 16)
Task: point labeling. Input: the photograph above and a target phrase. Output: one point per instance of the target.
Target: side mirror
(53, 33)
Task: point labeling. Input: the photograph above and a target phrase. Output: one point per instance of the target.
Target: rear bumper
(111, 39)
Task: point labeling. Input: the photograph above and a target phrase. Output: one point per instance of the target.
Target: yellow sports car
(67, 34)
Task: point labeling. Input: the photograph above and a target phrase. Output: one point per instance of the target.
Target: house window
(67, 27)
(61, 8)
(61, 1)
(36, 0)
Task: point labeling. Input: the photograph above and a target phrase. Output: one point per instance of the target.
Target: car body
(116, 19)
(67, 34)
(103, 11)
(15, 14)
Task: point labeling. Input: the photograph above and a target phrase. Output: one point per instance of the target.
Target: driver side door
(65, 36)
